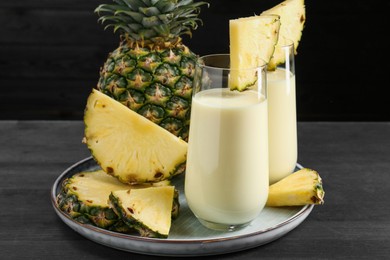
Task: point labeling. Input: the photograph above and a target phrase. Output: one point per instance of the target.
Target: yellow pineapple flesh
(300, 188)
(292, 20)
(129, 146)
(252, 43)
(147, 210)
(84, 197)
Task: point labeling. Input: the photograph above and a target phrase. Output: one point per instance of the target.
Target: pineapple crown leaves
(142, 20)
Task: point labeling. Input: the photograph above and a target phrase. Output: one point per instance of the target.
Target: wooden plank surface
(352, 158)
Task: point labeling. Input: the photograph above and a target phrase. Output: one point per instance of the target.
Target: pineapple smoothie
(282, 124)
(227, 163)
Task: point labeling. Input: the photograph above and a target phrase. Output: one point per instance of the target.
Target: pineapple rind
(252, 43)
(129, 206)
(143, 230)
(292, 17)
(84, 198)
(300, 188)
(85, 209)
(159, 88)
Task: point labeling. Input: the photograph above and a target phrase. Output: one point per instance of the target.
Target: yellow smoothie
(227, 163)
(282, 124)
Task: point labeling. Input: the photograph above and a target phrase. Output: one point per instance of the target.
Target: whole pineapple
(151, 71)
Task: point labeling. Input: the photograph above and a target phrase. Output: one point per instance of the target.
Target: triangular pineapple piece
(292, 18)
(147, 210)
(93, 188)
(129, 146)
(84, 197)
(300, 188)
(252, 43)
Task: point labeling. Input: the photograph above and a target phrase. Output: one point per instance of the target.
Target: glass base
(222, 227)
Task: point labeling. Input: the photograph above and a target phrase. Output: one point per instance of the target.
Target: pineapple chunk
(93, 188)
(300, 188)
(252, 43)
(84, 197)
(129, 146)
(147, 210)
(292, 18)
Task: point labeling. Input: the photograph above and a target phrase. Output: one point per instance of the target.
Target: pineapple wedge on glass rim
(84, 197)
(252, 43)
(147, 210)
(152, 71)
(128, 146)
(297, 189)
(292, 15)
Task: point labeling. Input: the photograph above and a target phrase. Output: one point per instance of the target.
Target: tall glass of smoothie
(227, 178)
(282, 119)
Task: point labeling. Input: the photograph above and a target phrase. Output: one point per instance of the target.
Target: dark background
(51, 52)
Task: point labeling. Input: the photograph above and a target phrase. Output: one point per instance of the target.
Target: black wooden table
(352, 158)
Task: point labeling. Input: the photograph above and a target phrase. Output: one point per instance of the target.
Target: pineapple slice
(129, 146)
(147, 210)
(252, 43)
(300, 188)
(292, 18)
(84, 197)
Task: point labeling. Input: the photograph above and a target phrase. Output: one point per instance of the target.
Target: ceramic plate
(187, 236)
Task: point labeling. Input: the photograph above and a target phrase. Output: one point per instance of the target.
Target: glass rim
(288, 43)
(262, 66)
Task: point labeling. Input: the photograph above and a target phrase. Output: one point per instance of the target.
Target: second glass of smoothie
(282, 119)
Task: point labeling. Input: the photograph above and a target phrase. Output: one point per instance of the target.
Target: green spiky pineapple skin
(103, 217)
(98, 216)
(132, 224)
(143, 230)
(155, 83)
(152, 71)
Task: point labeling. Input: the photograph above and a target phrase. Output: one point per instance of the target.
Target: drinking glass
(227, 178)
(282, 120)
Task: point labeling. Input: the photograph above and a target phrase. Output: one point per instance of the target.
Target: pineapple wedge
(300, 188)
(252, 43)
(292, 18)
(129, 146)
(84, 197)
(147, 210)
